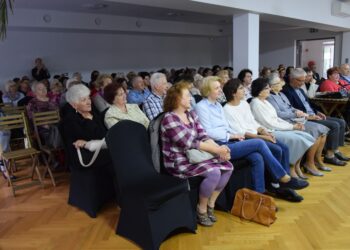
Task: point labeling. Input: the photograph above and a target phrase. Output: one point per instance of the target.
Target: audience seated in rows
(300, 101)
(291, 115)
(212, 118)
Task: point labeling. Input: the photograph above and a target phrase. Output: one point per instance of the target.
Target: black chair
(152, 205)
(90, 188)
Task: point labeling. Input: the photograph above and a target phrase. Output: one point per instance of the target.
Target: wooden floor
(41, 219)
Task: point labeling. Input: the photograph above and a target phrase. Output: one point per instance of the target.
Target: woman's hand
(224, 152)
(298, 126)
(300, 113)
(79, 144)
(269, 137)
(237, 137)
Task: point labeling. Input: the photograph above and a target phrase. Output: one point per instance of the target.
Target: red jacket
(330, 86)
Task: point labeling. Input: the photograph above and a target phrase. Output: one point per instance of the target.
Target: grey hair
(274, 78)
(156, 78)
(297, 72)
(76, 92)
(35, 84)
(8, 84)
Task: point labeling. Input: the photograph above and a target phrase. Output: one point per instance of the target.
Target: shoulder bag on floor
(253, 206)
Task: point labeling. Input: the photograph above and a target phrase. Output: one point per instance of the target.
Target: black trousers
(336, 135)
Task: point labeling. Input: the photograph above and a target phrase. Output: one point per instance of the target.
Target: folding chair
(18, 121)
(47, 118)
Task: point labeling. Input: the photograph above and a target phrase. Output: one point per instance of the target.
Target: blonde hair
(100, 79)
(207, 85)
(221, 75)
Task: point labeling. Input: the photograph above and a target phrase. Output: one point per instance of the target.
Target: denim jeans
(5, 140)
(259, 155)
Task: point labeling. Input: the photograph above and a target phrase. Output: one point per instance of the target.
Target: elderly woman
(115, 95)
(291, 134)
(99, 102)
(334, 83)
(41, 101)
(91, 181)
(212, 118)
(285, 111)
(83, 126)
(181, 131)
(12, 95)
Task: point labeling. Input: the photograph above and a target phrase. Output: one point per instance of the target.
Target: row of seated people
(272, 144)
(285, 147)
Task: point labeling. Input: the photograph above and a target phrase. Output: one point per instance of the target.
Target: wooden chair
(18, 121)
(47, 118)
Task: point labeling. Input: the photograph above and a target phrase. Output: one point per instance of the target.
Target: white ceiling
(176, 10)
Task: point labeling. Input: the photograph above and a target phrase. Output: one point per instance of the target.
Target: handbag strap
(92, 159)
(256, 211)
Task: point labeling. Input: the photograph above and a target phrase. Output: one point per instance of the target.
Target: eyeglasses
(300, 80)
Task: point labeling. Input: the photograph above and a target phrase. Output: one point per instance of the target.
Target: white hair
(8, 84)
(35, 85)
(76, 92)
(274, 78)
(297, 72)
(156, 79)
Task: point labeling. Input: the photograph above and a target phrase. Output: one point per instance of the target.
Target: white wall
(346, 47)
(278, 47)
(69, 52)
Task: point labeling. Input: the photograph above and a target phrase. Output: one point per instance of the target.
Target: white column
(246, 43)
(345, 52)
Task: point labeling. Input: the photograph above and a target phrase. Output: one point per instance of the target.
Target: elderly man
(345, 72)
(300, 101)
(139, 92)
(153, 105)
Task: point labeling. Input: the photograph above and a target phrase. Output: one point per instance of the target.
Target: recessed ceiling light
(95, 6)
(174, 14)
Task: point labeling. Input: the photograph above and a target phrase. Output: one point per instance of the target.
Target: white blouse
(241, 119)
(266, 115)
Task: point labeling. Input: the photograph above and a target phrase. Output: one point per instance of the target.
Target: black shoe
(334, 161)
(295, 183)
(341, 157)
(285, 194)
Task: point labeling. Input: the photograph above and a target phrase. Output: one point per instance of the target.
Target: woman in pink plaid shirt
(181, 131)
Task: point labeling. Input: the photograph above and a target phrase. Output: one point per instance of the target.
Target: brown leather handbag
(253, 206)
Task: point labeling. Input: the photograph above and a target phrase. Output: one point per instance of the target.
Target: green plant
(5, 6)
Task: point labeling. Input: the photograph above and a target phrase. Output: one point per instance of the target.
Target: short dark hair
(111, 90)
(258, 85)
(143, 74)
(231, 88)
(242, 74)
(332, 70)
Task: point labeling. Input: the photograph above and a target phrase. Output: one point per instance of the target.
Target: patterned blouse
(134, 113)
(177, 138)
(36, 105)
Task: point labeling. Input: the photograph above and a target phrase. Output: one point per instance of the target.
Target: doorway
(321, 51)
